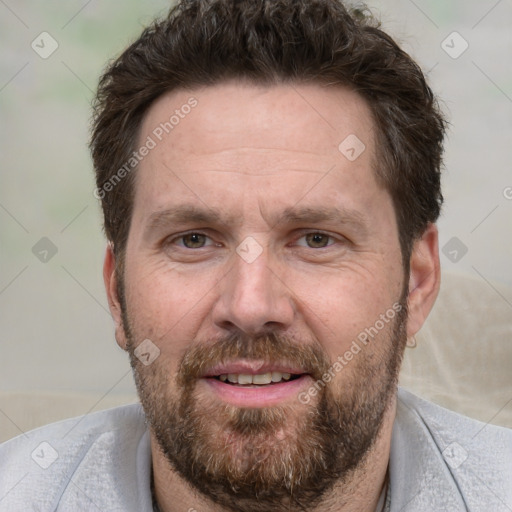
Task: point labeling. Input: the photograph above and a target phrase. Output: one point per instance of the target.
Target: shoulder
(445, 424)
(468, 459)
(44, 464)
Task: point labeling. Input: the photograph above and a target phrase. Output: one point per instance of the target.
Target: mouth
(255, 383)
(258, 379)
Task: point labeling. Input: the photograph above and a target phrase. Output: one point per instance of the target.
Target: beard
(285, 457)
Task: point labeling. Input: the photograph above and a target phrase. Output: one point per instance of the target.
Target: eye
(194, 241)
(315, 240)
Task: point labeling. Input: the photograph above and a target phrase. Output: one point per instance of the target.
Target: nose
(253, 298)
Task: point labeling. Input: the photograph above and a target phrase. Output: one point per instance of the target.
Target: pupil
(317, 240)
(194, 240)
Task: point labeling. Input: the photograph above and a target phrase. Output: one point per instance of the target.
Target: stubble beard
(280, 458)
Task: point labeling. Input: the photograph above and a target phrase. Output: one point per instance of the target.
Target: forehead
(280, 117)
(257, 144)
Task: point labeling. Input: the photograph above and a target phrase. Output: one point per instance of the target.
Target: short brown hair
(203, 42)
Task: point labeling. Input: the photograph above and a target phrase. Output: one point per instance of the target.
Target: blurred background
(56, 333)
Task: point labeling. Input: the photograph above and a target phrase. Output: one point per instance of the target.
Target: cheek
(341, 309)
(167, 304)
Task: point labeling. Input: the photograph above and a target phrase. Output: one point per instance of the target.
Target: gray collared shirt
(440, 461)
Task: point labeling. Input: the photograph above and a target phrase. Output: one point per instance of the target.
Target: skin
(249, 153)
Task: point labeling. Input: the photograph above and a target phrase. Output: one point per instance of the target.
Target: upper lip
(248, 367)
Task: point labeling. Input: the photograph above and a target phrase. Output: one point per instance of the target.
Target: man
(269, 173)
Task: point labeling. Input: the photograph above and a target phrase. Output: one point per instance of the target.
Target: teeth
(244, 379)
(262, 378)
(277, 376)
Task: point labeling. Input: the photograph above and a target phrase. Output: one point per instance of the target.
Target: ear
(424, 280)
(110, 280)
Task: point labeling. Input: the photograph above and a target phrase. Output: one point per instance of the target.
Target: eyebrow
(331, 214)
(186, 213)
(182, 214)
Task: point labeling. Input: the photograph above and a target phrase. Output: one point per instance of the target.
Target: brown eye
(194, 240)
(317, 240)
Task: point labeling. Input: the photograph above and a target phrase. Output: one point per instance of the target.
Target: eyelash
(181, 237)
(331, 239)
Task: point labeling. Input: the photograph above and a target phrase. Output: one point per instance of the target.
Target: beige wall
(56, 332)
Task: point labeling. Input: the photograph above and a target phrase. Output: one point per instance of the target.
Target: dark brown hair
(202, 42)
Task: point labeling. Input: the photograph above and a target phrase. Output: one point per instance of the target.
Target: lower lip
(261, 396)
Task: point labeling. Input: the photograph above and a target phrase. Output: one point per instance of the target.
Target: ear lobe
(424, 280)
(114, 304)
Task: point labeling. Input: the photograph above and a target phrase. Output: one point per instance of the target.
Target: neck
(360, 494)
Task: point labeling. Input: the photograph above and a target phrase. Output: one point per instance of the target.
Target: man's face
(258, 252)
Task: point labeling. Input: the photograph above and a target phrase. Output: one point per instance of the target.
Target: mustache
(270, 347)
